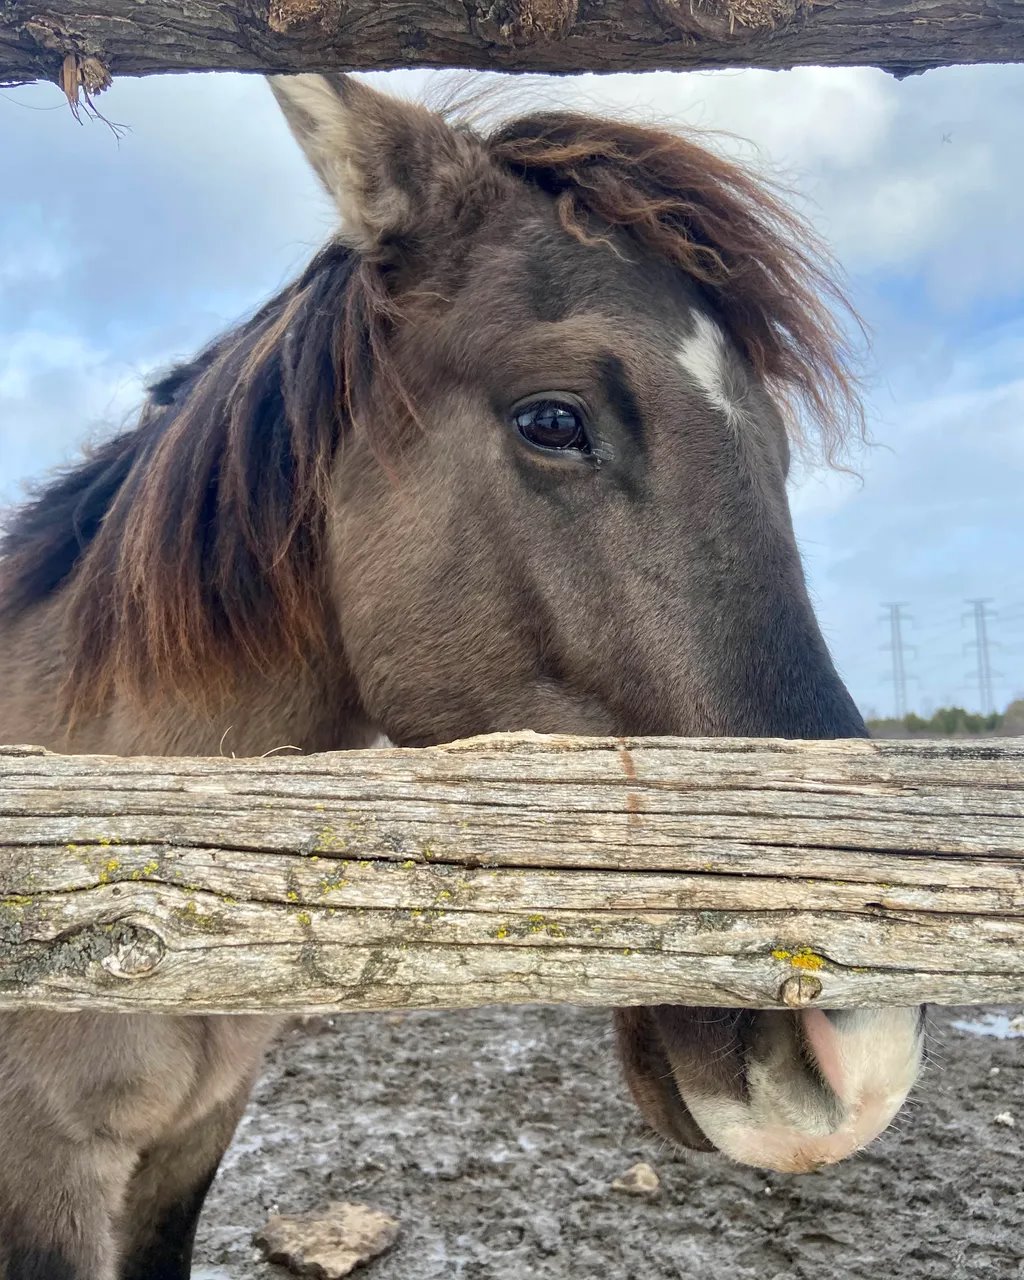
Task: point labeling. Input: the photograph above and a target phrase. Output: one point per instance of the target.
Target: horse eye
(551, 424)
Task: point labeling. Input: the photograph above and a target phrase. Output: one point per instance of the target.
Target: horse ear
(380, 159)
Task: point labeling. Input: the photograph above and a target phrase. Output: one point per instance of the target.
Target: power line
(896, 645)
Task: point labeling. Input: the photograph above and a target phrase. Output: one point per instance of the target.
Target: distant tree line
(954, 722)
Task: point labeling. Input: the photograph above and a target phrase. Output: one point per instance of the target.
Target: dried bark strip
(515, 868)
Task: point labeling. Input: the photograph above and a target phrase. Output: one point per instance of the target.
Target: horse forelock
(762, 268)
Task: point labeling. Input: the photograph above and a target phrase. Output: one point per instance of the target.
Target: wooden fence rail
(87, 41)
(515, 868)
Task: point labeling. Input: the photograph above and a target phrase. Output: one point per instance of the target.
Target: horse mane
(189, 546)
(190, 549)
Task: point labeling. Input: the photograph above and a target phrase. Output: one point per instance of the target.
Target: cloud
(938, 521)
(120, 256)
(55, 392)
(206, 188)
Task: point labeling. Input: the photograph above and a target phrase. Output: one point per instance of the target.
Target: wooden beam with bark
(86, 42)
(752, 873)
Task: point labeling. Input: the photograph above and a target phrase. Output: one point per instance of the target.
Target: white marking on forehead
(704, 357)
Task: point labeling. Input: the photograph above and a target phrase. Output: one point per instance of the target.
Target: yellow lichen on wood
(803, 958)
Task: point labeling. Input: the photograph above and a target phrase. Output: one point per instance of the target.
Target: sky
(120, 255)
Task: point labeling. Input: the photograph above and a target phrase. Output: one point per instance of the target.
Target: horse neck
(310, 707)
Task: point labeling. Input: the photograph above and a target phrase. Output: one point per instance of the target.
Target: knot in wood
(293, 15)
(526, 22)
(800, 990)
(136, 952)
(725, 19)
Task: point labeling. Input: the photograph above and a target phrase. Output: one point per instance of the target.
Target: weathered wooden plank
(514, 868)
(77, 41)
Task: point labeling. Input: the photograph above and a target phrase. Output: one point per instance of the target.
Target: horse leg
(174, 1173)
(63, 1166)
(167, 1191)
(88, 1102)
(57, 1203)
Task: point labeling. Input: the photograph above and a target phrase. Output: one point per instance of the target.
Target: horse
(511, 453)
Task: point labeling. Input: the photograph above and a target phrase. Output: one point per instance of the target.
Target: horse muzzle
(784, 1091)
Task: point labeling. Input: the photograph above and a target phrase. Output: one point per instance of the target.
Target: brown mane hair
(191, 547)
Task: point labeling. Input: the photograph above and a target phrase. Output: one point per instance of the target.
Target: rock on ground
(329, 1243)
(494, 1135)
(638, 1180)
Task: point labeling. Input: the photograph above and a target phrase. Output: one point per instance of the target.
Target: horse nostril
(822, 1040)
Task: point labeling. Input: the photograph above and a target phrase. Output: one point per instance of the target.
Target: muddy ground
(494, 1136)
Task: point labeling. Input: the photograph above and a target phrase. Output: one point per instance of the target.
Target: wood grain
(515, 868)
